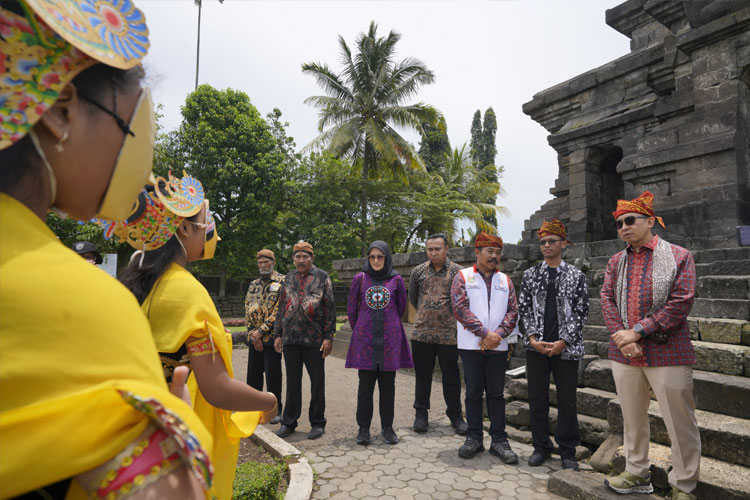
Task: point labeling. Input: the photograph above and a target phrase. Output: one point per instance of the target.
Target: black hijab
(387, 270)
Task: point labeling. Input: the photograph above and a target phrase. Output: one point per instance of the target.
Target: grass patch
(236, 328)
(258, 481)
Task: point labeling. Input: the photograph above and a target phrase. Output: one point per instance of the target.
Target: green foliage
(476, 145)
(244, 165)
(70, 231)
(257, 481)
(434, 144)
(364, 104)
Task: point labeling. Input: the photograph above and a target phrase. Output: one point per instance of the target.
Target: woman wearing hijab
(378, 348)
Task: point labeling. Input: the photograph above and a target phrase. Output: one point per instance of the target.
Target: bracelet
(275, 404)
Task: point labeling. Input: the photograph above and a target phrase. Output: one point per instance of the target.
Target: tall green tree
(225, 143)
(364, 104)
(489, 133)
(476, 144)
(435, 144)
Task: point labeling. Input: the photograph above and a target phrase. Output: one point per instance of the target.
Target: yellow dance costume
(76, 360)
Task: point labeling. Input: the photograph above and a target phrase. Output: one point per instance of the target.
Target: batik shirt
(261, 304)
(430, 294)
(572, 306)
(307, 313)
(671, 318)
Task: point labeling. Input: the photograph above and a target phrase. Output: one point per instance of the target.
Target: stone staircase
(720, 328)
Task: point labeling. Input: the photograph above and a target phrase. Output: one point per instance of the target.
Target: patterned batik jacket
(572, 306)
(430, 294)
(261, 304)
(656, 287)
(307, 313)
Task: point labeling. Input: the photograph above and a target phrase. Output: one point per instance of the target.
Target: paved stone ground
(420, 467)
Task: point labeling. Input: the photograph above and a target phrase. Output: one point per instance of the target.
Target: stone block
(694, 331)
(720, 358)
(722, 308)
(745, 334)
(595, 312)
(725, 394)
(597, 333)
(721, 254)
(726, 268)
(517, 252)
(598, 375)
(724, 331)
(723, 287)
(605, 248)
(585, 485)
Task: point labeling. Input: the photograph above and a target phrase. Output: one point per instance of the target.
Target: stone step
(722, 308)
(724, 268)
(598, 333)
(723, 287)
(721, 254)
(718, 479)
(593, 430)
(587, 485)
(709, 356)
(591, 402)
(722, 437)
(718, 330)
(719, 393)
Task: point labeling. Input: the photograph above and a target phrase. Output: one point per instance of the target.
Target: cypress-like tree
(434, 144)
(476, 145)
(489, 131)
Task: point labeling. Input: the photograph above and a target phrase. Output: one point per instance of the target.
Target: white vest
(492, 316)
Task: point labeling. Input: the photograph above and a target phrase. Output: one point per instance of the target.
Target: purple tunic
(378, 338)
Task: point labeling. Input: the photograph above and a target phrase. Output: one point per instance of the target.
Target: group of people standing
(473, 314)
(86, 409)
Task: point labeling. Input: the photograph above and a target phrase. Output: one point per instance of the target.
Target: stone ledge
(587, 486)
(300, 473)
(717, 479)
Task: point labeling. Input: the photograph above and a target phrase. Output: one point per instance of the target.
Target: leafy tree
(364, 102)
(225, 142)
(434, 145)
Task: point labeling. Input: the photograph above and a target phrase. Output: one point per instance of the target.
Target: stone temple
(671, 117)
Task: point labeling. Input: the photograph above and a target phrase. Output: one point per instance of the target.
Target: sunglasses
(629, 220)
(550, 243)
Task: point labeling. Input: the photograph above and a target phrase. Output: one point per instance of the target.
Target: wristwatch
(637, 328)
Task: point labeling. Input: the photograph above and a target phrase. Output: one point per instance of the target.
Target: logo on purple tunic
(377, 297)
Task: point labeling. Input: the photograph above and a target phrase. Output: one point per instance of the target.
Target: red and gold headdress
(159, 212)
(553, 228)
(644, 204)
(53, 42)
(488, 240)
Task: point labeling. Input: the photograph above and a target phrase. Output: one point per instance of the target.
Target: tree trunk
(363, 194)
(408, 240)
(198, 48)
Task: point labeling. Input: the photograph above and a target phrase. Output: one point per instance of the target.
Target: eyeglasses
(550, 243)
(376, 257)
(629, 220)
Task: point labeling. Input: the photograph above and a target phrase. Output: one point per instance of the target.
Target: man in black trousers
(553, 306)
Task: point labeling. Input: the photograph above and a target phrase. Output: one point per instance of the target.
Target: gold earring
(59, 146)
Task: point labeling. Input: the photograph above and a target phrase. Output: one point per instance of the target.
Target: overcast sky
(483, 53)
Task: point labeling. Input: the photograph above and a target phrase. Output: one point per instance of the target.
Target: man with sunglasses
(553, 307)
(647, 294)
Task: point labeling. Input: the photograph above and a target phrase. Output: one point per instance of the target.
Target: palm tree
(475, 184)
(199, 3)
(364, 102)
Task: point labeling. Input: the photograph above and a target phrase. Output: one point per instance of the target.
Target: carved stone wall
(671, 117)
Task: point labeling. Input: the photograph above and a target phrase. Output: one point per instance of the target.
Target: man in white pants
(485, 305)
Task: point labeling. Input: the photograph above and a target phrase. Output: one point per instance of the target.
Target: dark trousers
(424, 355)
(387, 387)
(267, 361)
(565, 373)
(485, 374)
(294, 357)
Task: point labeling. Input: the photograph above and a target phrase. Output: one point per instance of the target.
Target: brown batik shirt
(430, 294)
(261, 303)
